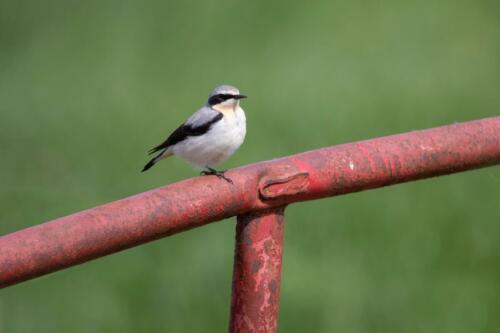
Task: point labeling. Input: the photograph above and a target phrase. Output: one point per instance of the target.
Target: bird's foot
(219, 174)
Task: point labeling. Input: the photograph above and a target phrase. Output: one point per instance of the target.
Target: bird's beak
(240, 96)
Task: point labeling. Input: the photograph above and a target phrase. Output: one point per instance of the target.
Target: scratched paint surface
(257, 272)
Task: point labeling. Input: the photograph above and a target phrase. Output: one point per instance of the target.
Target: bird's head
(225, 98)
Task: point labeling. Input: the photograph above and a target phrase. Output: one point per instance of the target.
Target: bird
(209, 136)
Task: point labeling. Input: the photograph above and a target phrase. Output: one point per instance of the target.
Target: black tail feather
(154, 150)
(150, 164)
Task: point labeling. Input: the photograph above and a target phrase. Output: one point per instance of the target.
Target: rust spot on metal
(273, 286)
(257, 264)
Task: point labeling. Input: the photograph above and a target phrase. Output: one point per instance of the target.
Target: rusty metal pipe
(170, 209)
(257, 272)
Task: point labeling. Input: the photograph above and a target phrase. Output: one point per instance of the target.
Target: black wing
(184, 131)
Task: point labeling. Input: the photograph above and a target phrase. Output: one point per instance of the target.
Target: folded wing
(198, 124)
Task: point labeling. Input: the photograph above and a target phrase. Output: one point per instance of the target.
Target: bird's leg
(219, 174)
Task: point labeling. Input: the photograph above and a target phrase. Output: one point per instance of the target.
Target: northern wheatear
(210, 135)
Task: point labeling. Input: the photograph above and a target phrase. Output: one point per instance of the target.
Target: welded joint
(283, 182)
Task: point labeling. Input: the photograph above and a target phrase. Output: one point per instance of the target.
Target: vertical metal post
(257, 271)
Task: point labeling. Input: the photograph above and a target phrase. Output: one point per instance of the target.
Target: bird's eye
(217, 99)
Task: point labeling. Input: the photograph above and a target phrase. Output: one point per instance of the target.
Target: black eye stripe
(219, 98)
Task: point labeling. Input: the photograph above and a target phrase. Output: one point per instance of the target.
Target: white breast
(215, 146)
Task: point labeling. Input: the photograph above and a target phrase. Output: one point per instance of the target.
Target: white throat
(227, 106)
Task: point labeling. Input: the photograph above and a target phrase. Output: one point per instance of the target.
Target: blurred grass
(86, 87)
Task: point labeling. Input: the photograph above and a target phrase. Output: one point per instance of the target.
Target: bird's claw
(219, 174)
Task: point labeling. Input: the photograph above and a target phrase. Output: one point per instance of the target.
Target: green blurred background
(86, 87)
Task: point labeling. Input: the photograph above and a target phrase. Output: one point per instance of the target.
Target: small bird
(210, 135)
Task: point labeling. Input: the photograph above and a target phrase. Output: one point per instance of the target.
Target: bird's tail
(155, 159)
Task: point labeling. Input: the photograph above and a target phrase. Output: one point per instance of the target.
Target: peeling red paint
(257, 272)
(194, 202)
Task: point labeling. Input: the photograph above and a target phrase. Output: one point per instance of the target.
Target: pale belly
(215, 146)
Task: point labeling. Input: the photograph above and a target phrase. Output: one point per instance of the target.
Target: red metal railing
(257, 196)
